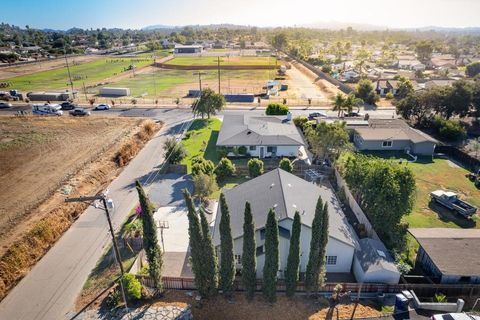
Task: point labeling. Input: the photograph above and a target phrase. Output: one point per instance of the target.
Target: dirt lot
(10, 72)
(39, 154)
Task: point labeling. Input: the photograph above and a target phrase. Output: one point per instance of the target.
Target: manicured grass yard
(192, 61)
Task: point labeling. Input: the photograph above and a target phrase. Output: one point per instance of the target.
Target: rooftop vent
(249, 132)
(272, 185)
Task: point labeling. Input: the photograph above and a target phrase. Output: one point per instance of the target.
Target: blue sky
(57, 14)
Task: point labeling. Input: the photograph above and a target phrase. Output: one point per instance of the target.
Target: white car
(454, 316)
(102, 106)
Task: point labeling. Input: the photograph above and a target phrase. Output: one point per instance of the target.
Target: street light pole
(68, 68)
(103, 198)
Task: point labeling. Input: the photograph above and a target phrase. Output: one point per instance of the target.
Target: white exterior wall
(343, 251)
(282, 151)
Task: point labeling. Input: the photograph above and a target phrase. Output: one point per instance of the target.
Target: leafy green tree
(150, 241)
(361, 57)
(255, 167)
(201, 165)
(352, 102)
(365, 91)
(174, 151)
(270, 268)
(225, 169)
(280, 41)
(196, 246)
(338, 103)
(473, 69)
(276, 109)
(227, 265)
(286, 164)
(293, 262)
(209, 103)
(424, 50)
(204, 185)
(313, 272)
(327, 140)
(323, 245)
(133, 287)
(249, 277)
(210, 259)
(405, 88)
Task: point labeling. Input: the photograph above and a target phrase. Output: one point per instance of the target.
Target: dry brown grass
(53, 216)
(130, 149)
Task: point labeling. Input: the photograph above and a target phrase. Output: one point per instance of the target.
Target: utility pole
(163, 225)
(85, 91)
(103, 198)
(218, 72)
(200, 74)
(68, 68)
(154, 83)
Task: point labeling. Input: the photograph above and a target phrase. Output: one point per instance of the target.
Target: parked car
(5, 105)
(454, 316)
(354, 114)
(451, 201)
(314, 115)
(102, 106)
(67, 105)
(79, 112)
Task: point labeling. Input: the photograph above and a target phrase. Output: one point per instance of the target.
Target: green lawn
(90, 73)
(162, 81)
(193, 61)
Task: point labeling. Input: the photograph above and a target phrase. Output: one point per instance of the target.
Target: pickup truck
(451, 201)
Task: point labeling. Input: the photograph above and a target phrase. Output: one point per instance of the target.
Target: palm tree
(352, 101)
(338, 103)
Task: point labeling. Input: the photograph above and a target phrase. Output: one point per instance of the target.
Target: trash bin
(401, 303)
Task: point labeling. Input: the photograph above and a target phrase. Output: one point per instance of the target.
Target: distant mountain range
(206, 26)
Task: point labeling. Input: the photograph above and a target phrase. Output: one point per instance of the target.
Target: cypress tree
(293, 263)
(270, 268)
(196, 245)
(312, 273)
(323, 245)
(209, 257)
(227, 266)
(150, 241)
(249, 276)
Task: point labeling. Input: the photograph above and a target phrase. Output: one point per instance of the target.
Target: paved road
(50, 288)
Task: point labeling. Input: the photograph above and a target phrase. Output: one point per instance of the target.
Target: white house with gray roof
(263, 136)
(287, 193)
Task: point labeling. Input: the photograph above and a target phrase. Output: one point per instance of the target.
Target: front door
(262, 152)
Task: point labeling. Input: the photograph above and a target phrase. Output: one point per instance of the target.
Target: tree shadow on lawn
(210, 152)
(447, 216)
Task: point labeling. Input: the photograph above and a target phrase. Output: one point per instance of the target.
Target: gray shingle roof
(250, 130)
(287, 193)
(373, 256)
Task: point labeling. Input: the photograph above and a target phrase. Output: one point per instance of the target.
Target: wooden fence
(421, 290)
(465, 159)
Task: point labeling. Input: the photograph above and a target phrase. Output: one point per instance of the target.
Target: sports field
(176, 83)
(207, 61)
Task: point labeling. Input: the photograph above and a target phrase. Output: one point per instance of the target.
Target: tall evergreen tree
(293, 263)
(323, 245)
(196, 245)
(249, 276)
(150, 241)
(270, 268)
(209, 257)
(312, 273)
(227, 265)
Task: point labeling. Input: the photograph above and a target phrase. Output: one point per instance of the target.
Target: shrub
(113, 299)
(242, 150)
(449, 129)
(201, 165)
(300, 121)
(255, 167)
(389, 96)
(133, 287)
(224, 169)
(204, 185)
(126, 153)
(174, 151)
(276, 109)
(286, 164)
(222, 152)
(440, 297)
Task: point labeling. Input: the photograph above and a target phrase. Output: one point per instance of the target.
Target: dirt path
(14, 71)
(309, 85)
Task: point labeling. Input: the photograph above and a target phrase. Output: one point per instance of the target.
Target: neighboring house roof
(249, 130)
(392, 129)
(286, 193)
(439, 83)
(453, 251)
(181, 46)
(373, 256)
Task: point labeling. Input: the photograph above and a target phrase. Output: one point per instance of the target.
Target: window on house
(238, 258)
(259, 251)
(271, 149)
(387, 144)
(253, 148)
(331, 260)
